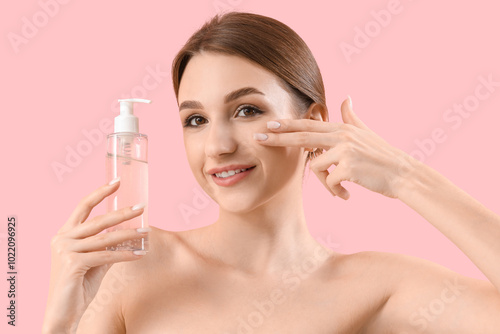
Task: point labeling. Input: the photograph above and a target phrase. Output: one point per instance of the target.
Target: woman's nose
(220, 140)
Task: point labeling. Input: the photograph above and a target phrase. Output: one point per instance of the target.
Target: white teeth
(230, 173)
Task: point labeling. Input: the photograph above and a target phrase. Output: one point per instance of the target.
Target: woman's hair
(265, 41)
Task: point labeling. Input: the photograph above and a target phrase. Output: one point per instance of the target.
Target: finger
(325, 160)
(320, 167)
(333, 181)
(322, 175)
(100, 223)
(349, 117)
(94, 259)
(308, 125)
(300, 139)
(101, 241)
(83, 209)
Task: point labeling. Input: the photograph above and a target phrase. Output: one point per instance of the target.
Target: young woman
(253, 110)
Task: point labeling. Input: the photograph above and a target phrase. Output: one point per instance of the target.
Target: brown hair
(265, 41)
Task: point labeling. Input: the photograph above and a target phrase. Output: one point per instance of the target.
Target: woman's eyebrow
(241, 92)
(228, 98)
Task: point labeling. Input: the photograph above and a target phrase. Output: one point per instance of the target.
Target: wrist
(53, 330)
(58, 327)
(413, 177)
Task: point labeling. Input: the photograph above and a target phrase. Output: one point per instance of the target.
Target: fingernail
(260, 136)
(139, 252)
(114, 181)
(350, 101)
(273, 125)
(138, 206)
(143, 229)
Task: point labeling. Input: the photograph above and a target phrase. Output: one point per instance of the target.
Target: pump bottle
(127, 158)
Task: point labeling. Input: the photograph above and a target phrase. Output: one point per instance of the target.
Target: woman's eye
(244, 111)
(253, 111)
(189, 120)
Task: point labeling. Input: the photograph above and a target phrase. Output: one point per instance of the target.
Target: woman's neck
(268, 240)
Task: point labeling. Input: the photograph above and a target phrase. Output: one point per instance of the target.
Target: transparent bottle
(127, 158)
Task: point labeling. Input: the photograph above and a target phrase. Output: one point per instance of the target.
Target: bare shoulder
(164, 248)
(125, 281)
(372, 265)
(407, 270)
(392, 265)
(396, 267)
(426, 296)
(408, 275)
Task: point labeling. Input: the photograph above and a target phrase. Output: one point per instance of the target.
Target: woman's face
(223, 100)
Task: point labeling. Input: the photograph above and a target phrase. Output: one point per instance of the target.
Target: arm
(429, 298)
(461, 218)
(363, 157)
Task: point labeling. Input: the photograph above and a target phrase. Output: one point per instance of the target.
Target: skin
(257, 269)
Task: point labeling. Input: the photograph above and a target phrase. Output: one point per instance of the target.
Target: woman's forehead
(218, 74)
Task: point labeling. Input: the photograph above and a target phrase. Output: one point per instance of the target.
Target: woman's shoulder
(390, 269)
(378, 259)
(164, 247)
(383, 261)
(165, 256)
(384, 268)
(397, 262)
(167, 249)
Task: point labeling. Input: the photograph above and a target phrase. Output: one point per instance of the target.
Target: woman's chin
(232, 205)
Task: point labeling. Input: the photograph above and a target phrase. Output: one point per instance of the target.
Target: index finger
(287, 125)
(85, 206)
(298, 139)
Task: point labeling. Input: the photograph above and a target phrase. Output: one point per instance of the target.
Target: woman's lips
(231, 180)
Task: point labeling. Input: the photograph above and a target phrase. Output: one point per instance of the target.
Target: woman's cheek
(194, 150)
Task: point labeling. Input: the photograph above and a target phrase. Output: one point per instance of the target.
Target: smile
(230, 177)
(231, 172)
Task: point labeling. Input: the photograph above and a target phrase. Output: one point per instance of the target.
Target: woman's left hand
(360, 155)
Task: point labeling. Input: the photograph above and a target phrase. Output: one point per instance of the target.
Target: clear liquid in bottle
(127, 159)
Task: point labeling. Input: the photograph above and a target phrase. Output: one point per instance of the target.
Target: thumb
(348, 115)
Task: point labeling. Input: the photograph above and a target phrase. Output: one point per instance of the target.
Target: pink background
(65, 79)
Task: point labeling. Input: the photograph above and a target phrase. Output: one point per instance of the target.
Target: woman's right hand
(80, 259)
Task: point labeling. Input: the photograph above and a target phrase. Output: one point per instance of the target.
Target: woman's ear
(318, 112)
